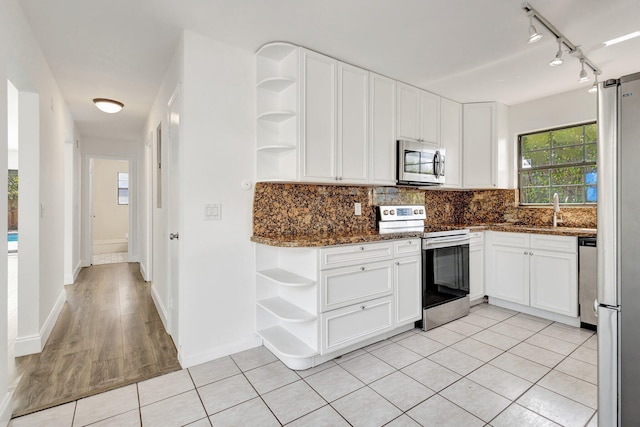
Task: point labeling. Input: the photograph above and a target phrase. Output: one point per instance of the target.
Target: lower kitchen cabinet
(535, 270)
(476, 268)
(314, 304)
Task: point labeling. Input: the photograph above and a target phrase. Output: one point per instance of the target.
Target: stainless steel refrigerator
(619, 258)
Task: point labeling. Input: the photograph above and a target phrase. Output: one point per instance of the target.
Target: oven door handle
(444, 242)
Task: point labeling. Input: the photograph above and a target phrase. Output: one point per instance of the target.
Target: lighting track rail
(572, 48)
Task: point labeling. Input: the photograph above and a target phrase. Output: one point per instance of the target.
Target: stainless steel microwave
(419, 164)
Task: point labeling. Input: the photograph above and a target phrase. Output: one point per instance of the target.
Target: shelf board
(276, 51)
(276, 116)
(285, 278)
(286, 311)
(276, 84)
(277, 147)
(286, 343)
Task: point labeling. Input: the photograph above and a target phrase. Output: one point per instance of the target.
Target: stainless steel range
(445, 263)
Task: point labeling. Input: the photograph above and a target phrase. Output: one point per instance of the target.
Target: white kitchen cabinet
(451, 141)
(408, 276)
(535, 270)
(318, 117)
(476, 268)
(353, 124)
(486, 157)
(418, 115)
(382, 130)
(355, 283)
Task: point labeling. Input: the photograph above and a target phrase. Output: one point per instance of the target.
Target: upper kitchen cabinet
(382, 130)
(486, 154)
(451, 141)
(277, 112)
(418, 115)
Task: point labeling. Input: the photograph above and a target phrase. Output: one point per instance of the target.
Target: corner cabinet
(486, 154)
(536, 271)
(314, 304)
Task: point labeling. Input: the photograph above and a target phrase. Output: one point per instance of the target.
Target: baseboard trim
(70, 279)
(162, 312)
(217, 352)
(30, 344)
(5, 409)
(48, 325)
(143, 271)
(561, 318)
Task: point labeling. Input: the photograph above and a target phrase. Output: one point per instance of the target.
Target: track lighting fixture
(571, 48)
(583, 73)
(558, 59)
(594, 88)
(534, 35)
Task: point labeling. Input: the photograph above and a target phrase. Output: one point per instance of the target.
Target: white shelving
(286, 343)
(276, 84)
(286, 311)
(285, 278)
(277, 116)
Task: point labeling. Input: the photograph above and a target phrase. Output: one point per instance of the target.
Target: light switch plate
(357, 208)
(213, 211)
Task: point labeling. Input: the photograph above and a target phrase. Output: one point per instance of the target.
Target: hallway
(108, 335)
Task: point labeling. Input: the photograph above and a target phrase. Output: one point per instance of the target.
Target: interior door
(174, 213)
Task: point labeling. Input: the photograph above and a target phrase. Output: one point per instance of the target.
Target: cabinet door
(478, 134)
(476, 272)
(318, 118)
(408, 112)
(382, 136)
(408, 279)
(353, 105)
(554, 282)
(430, 118)
(451, 141)
(509, 274)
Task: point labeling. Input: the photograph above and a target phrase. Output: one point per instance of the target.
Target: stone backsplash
(298, 209)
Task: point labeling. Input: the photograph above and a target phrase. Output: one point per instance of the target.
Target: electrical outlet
(357, 208)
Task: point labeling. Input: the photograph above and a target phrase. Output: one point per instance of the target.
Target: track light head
(534, 35)
(558, 58)
(583, 73)
(594, 88)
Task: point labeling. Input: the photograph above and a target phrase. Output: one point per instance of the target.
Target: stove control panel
(401, 213)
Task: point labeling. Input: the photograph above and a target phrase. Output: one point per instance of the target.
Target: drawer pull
(526, 253)
(397, 263)
(409, 242)
(531, 253)
(362, 307)
(362, 248)
(361, 268)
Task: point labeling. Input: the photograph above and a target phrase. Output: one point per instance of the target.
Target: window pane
(568, 136)
(590, 133)
(536, 158)
(567, 176)
(534, 178)
(123, 196)
(590, 152)
(534, 195)
(569, 194)
(537, 141)
(563, 156)
(592, 194)
(591, 175)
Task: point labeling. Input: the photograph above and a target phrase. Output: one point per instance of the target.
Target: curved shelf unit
(286, 343)
(277, 147)
(276, 51)
(276, 84)
(286, 311)
(276, 116)
(285, 278)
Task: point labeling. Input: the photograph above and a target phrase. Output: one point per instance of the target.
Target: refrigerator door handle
(595, 307)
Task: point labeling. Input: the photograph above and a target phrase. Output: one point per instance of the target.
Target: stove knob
(415, 211)
(421, 211)
(392, 212)
(385, 212)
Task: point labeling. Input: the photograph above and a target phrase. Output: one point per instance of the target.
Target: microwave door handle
(436, 164)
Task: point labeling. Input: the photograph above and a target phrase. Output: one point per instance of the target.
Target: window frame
(122, 188)
(551, 167)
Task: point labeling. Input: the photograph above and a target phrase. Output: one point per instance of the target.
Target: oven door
(445, 270)
(419, 164)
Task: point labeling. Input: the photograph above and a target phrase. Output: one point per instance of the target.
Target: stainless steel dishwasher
(587, 281)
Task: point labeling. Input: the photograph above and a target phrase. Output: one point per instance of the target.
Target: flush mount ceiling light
(571, 48)
(534, 35)
(558, 59)
(622, 38)
(108, 105)
(583, 73)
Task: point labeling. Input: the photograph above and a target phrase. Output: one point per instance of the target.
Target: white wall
(567, 108)
(111, 219)
(22, 62)
(72, 199)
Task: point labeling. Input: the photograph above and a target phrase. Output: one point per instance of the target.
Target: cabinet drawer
(548, 242)
(349, 325)
(406, 247)
(340, 256)
(477, 239)
(349, 285)
(520, 240)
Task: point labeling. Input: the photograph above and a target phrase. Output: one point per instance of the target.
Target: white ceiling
(466, 50)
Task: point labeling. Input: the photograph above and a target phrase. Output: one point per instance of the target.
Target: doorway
(110, 208)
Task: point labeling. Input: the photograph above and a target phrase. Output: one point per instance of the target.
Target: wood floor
(108, 335)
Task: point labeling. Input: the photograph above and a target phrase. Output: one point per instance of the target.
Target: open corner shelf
(285, 278)
(286, 343)
(286, 311)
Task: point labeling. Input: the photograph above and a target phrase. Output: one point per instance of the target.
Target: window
(559, 161)
(123, 188)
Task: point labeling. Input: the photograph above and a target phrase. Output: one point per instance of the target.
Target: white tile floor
(492, 368)
(110, 258)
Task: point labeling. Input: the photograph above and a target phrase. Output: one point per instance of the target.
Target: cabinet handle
(531, 253)
(397, 263)
(526, 253)
(361, 268)
(362, 248)
(362, 307)
(409, 242)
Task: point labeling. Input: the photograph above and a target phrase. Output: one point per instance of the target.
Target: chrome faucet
(557, 216)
